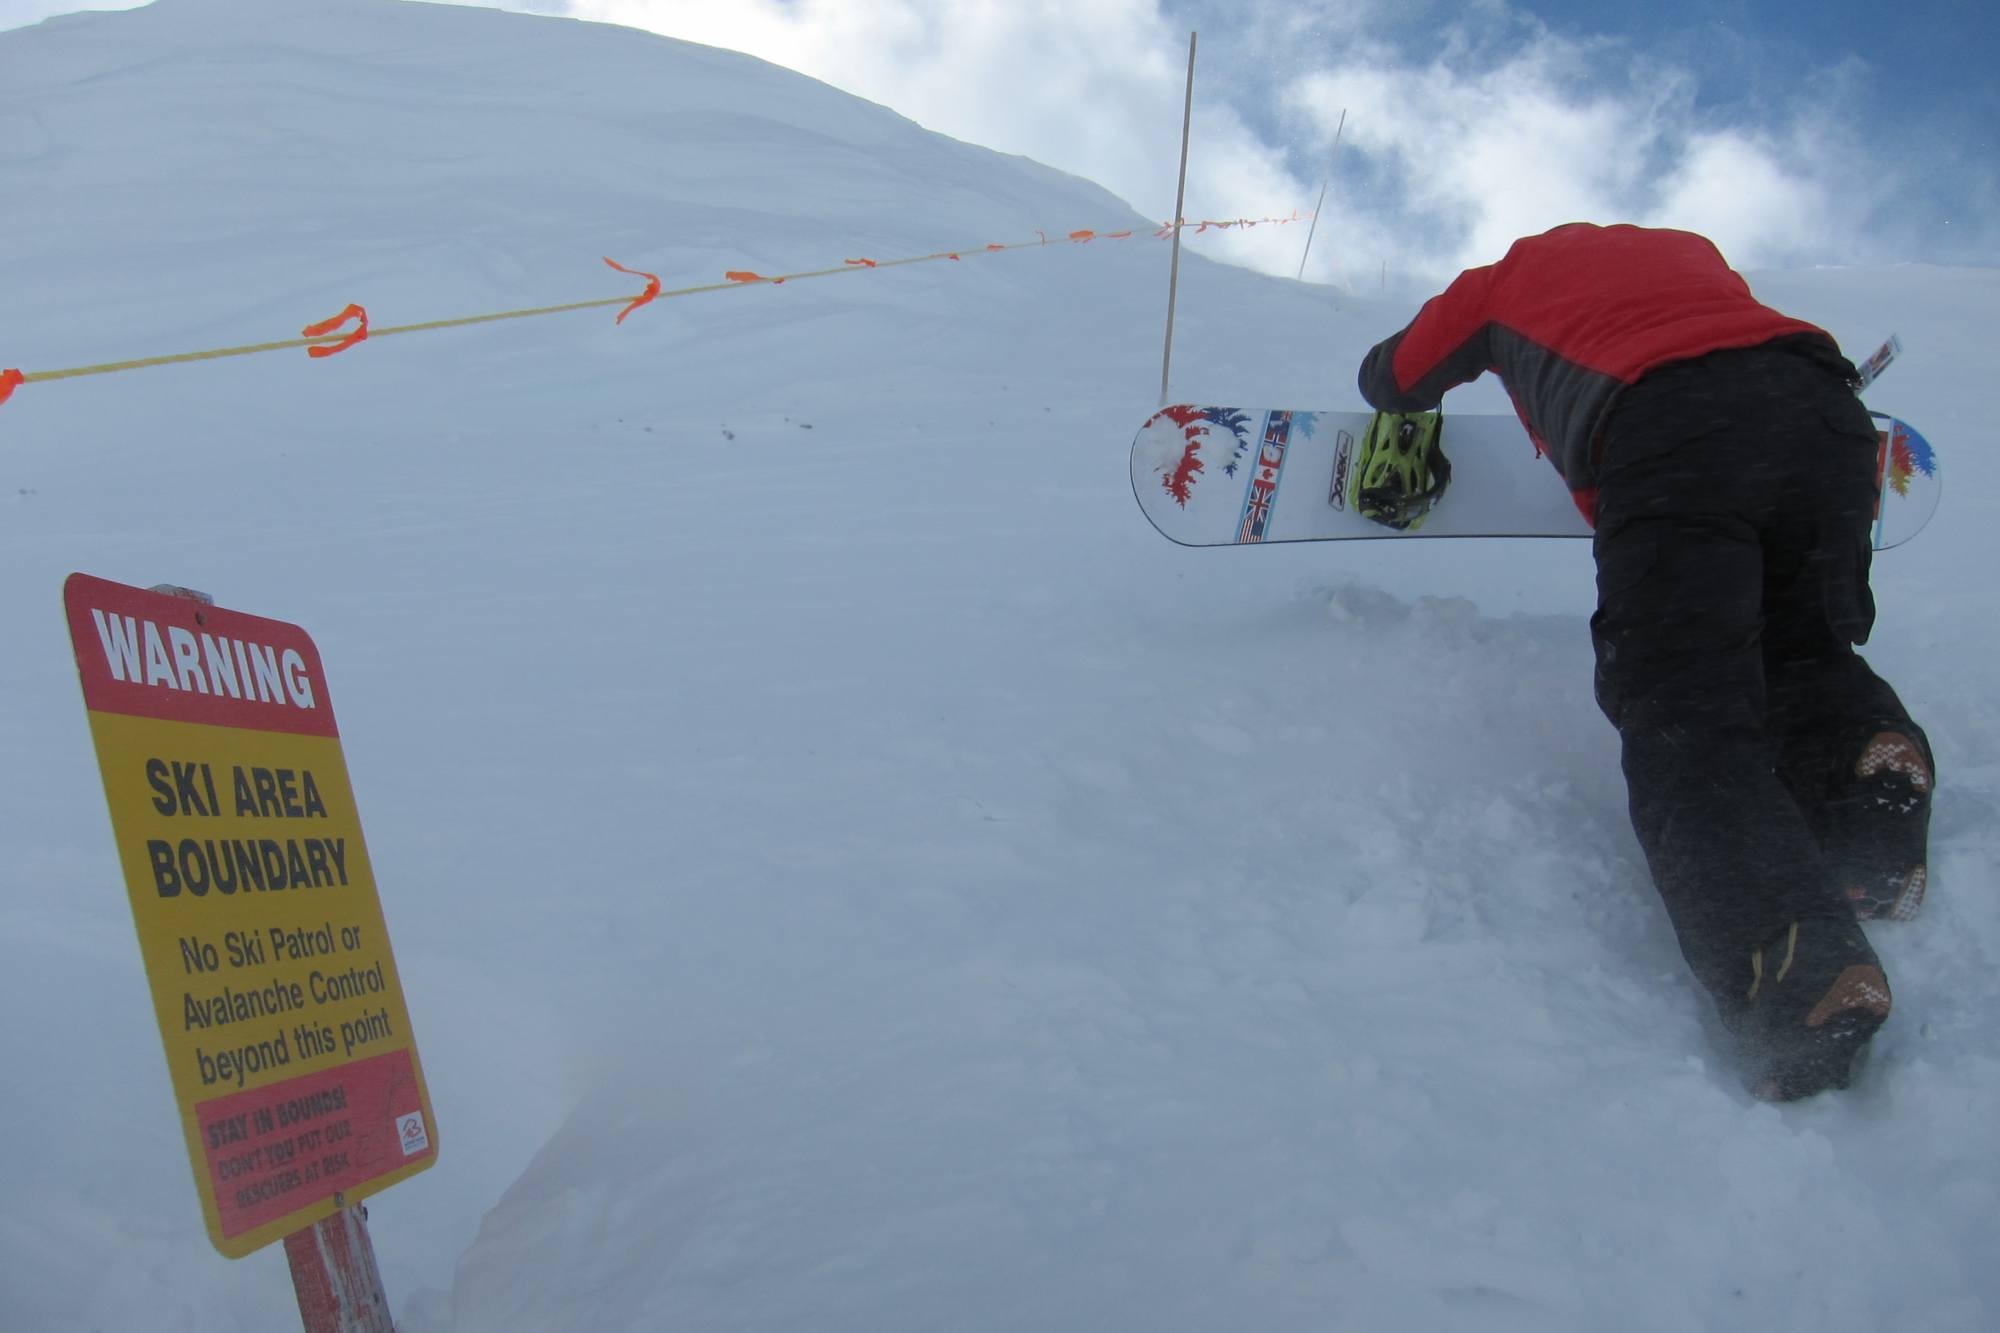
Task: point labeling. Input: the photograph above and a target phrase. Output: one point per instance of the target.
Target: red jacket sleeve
(1444, 346)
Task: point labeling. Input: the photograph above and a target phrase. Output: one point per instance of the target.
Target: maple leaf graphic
(1196, 426)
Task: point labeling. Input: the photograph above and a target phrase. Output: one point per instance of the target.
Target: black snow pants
(1735, 499)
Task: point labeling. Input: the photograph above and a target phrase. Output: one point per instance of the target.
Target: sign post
(335, 1278)
(280, 1011)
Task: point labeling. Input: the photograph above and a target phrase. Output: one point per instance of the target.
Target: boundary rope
(326, 337)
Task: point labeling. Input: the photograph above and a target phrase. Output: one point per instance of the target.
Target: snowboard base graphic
(1232, 476)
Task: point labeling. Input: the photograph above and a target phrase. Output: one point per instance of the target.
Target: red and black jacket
(1568, 320)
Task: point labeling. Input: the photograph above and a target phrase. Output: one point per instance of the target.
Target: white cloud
(1738, 189)
(1482, 156)
(1500, 129)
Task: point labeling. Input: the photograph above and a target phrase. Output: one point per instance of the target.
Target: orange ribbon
(861, 263)
(745, 275)
(327, 326)
(1167, 228)
(1081, 236)
(652, 288)
(9, 381)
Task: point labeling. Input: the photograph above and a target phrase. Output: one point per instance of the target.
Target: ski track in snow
(846, 870)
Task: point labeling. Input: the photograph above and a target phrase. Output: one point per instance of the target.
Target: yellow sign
(279, 1006)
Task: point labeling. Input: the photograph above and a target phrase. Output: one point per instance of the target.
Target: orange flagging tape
(652, 288)
(1166, 229)
(316, 336)
(327, 326)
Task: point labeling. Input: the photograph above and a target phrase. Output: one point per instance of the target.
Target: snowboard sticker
(1907, 485)
(1236, 476)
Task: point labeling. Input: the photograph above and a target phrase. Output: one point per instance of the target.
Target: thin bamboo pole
(1322, 191)
(1180, 201)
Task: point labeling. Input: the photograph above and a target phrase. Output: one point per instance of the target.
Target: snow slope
(847, 871)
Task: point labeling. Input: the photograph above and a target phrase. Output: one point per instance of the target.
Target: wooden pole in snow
(1180, 200)
(1322, 191)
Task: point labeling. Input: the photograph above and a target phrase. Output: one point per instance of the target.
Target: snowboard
(1238, 476)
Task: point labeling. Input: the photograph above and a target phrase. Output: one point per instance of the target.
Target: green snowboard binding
(1401, 471)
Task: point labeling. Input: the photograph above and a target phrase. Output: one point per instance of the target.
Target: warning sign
(278, 1002)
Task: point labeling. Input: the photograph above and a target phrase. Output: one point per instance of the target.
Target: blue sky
(1926, 72)
(1826, 133)
(1834, 132)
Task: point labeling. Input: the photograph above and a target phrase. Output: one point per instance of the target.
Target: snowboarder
(1777, 785)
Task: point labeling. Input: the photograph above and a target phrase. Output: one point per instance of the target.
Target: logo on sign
(410, 1129)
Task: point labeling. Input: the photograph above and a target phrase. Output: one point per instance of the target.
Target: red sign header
(148, 654)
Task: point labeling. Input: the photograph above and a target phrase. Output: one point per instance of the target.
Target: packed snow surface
(847, 871)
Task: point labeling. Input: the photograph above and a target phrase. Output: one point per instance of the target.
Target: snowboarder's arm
(1444, 346)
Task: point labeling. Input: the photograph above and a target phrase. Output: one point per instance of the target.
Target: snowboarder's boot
(1814, 996)
(1875, 826)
